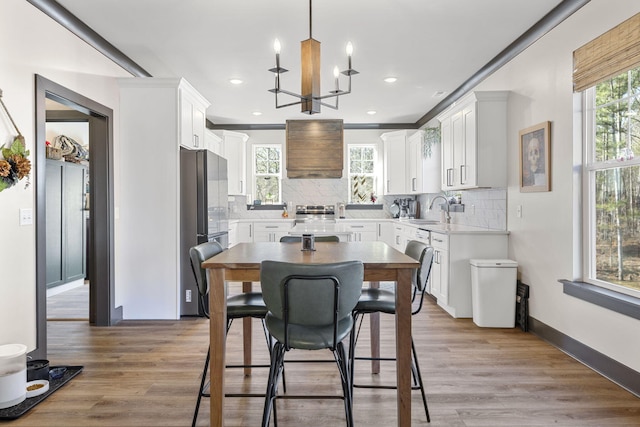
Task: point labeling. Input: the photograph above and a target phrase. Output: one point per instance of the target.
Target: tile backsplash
(485, 208)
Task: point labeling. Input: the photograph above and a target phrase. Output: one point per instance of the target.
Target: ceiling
(430, 46)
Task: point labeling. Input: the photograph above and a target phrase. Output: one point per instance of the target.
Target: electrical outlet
(519, 211)
(26, 216)
(188, 295)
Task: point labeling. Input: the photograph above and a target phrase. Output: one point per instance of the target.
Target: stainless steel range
(315, 214)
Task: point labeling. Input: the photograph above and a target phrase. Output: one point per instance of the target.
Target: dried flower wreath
(15, 165)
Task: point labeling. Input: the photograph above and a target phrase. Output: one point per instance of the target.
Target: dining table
(241, 263)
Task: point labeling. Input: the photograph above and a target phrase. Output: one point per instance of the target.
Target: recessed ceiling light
(235, 81)
(438, 94)
(390, 79)
(371, 112)
(257, 113)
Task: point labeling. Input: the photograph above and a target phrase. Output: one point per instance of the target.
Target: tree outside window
(268, 173)
(613, 171)
(362, 178)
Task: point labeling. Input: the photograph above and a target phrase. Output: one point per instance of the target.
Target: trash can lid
(495, 263)
(8, 351)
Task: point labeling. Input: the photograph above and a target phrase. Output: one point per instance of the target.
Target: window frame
(255, 174)
(375, 174)
(589, 170)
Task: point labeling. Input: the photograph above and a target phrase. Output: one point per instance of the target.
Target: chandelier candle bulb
(349, 53)
(336, 73)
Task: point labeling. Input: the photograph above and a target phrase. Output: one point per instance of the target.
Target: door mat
(16, 411)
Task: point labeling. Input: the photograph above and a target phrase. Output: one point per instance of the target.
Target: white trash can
(493, 292)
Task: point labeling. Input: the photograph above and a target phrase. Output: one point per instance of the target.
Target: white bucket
(13, 374)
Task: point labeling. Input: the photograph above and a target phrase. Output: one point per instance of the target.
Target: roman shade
(608, 55)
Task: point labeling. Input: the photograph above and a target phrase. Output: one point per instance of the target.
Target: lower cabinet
(439, 280)
(66, 222)
(270, 232)
(363, 232)
(451, 271)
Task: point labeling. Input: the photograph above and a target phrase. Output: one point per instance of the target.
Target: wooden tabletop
(373, 255)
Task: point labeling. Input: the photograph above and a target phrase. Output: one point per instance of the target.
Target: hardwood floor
(145, 373)
(69, 305)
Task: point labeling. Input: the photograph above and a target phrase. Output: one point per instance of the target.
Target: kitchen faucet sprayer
(446, 201)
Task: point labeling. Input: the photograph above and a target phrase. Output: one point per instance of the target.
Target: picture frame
(535, 158)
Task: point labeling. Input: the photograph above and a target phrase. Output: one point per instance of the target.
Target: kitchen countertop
(340, 226)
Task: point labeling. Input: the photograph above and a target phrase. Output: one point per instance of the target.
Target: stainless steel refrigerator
(203, 215)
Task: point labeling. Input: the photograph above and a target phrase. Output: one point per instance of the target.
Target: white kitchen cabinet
(235, 151)
(244, 232)
(192, 118)
(394, 167)
(233, 233)
(406, 170)
(150, 121)
(439, 280)
(401, 236)
(423, 172)
(212, 142)
(386, 232)
(362, 231)
(271, 231)
(451, 271)
(474, 142)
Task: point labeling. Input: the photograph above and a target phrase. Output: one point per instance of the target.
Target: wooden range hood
(315, 148)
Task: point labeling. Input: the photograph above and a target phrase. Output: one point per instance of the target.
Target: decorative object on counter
(285, 212)
(308, 242)
(535, 158)
(310, 99)
(341, 208)
(431, 138)
(15, 165)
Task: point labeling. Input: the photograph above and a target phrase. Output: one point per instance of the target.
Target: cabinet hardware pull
(463, 174)
(388, 184)
(413, 184)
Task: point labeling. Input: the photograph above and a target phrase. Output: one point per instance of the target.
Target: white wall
(31, 43)
(546, 240)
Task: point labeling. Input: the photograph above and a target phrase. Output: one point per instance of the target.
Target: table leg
(374, 330)
(246, 334)
(403, 346)
(217, 342)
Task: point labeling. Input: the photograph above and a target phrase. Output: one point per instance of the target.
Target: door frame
(102, 309)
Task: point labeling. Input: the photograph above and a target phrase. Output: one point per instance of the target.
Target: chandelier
(310, 98)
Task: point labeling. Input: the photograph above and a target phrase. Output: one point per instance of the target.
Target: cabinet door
(245, 232)
(385, 232)
(394, 163)
(467, 168)
(234, 144)
(446, 136)
(414, 164)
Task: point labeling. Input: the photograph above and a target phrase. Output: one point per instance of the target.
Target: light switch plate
(26, 216)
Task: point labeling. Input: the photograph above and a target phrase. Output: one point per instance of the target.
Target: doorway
(102, 310)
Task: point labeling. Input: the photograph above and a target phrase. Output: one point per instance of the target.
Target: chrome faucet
(440, 196)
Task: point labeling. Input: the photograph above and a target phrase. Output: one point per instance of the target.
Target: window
(362, 173)
(267, 173)
(612, 183)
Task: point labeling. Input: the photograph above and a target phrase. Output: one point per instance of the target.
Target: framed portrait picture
(535, 158)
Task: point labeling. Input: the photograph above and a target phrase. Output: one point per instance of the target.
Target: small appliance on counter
(408, 208)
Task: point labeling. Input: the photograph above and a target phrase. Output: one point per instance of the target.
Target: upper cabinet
(474, 142)
(406, 168)
(192, 117)
(234, 149)
(212, 142)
